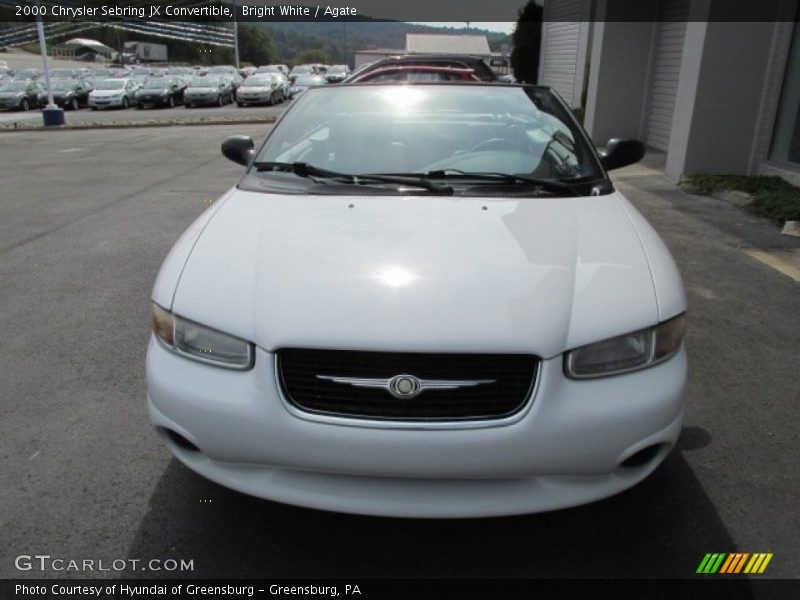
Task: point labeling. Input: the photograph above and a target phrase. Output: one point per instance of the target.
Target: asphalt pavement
(86, 218)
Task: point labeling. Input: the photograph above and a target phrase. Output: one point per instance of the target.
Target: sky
(490, 25)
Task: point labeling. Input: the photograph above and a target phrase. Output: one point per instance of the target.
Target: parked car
(160, 91)
(303, 82)
(302, 70)
(208, 90)
(140, 74)
(20, 94)
(69, 93)
(261, 89)
(482, 71)
(64, 73)
(113, 93)
(26, 74)
(6, 73)
(337, 73)
(416, 73)
(227, 71)
(421, 300)
(185, 74)
(245, 72)
(268, 69)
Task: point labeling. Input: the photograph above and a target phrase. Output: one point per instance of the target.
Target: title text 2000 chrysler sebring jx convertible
(421, 300)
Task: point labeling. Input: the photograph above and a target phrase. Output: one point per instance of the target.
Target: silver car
(113, 93)
(261, 89)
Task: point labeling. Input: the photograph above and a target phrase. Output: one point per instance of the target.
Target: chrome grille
(511, 378)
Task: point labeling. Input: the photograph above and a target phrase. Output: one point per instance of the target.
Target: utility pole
(52, 115)
(236, 34)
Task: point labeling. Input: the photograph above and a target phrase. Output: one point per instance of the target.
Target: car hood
(424, 273)
(105, 93)
(202, 90)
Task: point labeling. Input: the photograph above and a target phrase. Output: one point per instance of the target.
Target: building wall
(728, 86)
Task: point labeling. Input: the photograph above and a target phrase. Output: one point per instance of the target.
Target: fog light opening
(181, 441)
(642, 457)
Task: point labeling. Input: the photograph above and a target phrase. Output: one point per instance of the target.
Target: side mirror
(239, 149)
(621, 153)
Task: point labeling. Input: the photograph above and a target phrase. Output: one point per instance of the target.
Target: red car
(427, 73)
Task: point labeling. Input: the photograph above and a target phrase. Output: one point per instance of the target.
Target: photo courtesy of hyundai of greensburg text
(386, 300)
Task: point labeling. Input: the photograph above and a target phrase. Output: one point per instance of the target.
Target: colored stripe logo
(734, 563)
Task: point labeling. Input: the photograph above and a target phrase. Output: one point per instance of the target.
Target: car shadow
(659, 529)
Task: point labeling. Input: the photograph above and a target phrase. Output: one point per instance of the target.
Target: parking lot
(229, 112)
(86, 217)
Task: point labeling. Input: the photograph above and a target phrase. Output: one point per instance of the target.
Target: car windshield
(309, 80)
(204, 82)
(257, 81)
(110, 84)
(221, 70)
(337, 69)
(267, 70)
(60, 73)
(180, 71)
(61, 84)
(14, 86)
(449, 129)
(157, 84)
(101, 72)
(301, 70)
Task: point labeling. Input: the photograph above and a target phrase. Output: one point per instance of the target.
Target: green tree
(255, 46)
(313, 55)
(527, 38)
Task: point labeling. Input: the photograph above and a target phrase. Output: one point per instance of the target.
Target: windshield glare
(258, 82)
(157, 84)
(422, 128)
(110, 84)
(312, 80)
(15, 86)
(203, 82)
(61, 84)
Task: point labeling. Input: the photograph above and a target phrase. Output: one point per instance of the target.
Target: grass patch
(773, 197)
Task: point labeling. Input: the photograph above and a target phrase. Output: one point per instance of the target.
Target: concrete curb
(134, 124)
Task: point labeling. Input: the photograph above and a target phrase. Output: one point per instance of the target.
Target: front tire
(125, 103)
(187, 105)
(220, 100)
(25, 105)
(73, 104)
(171, 102)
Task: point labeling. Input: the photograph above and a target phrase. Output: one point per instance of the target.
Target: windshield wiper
(546, 184)
(302, 169)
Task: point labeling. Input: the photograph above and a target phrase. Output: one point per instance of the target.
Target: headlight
(197, 342)
(630, 352)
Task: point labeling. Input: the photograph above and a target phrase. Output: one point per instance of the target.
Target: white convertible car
(421, 300)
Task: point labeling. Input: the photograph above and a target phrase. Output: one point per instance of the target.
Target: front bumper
(106, 102)
(564, 449)
(204, 99)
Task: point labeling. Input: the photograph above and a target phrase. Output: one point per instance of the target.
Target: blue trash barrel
(53, 117)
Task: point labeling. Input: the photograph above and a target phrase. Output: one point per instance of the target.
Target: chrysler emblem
(406, 386)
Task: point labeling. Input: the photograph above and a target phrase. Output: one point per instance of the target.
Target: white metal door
(665, 71)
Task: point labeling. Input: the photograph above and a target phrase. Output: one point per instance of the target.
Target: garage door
(561, 62)
(665, 71)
